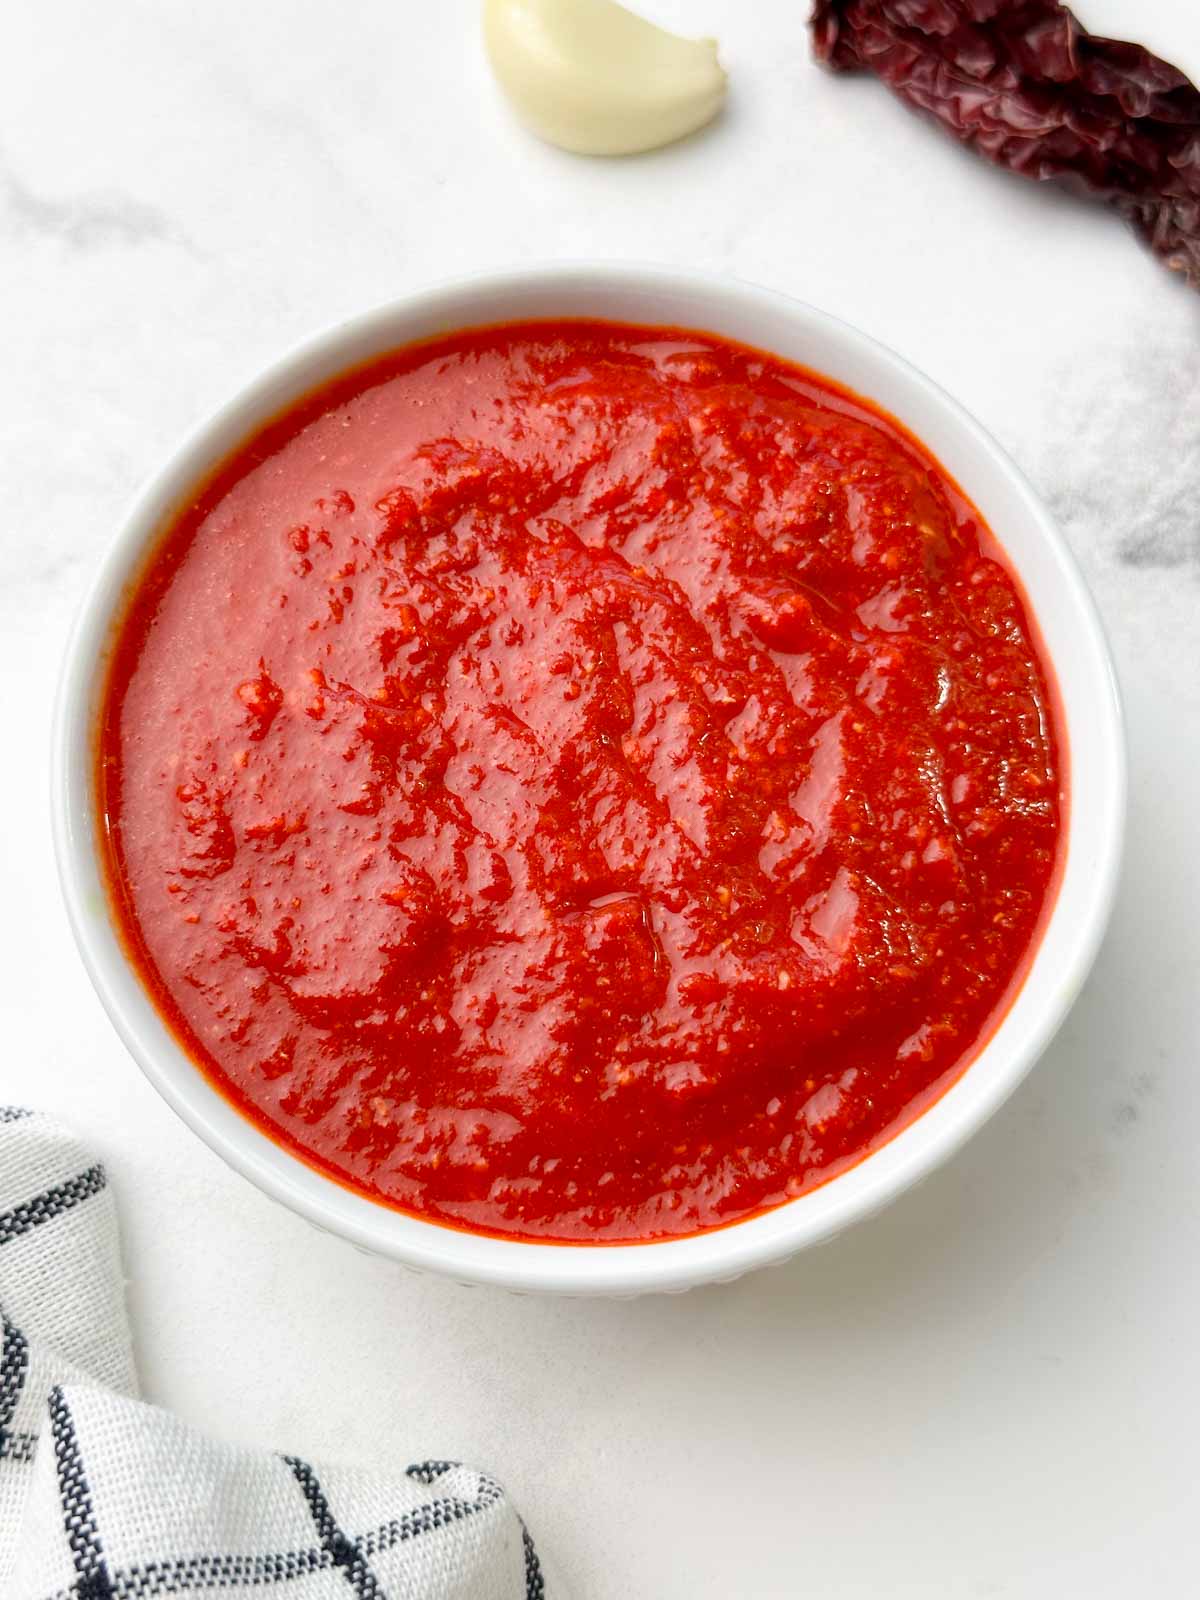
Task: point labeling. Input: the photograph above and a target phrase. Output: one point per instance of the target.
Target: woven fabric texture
(103, 1497)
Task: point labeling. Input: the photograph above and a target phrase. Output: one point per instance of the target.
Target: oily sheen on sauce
(580, 782)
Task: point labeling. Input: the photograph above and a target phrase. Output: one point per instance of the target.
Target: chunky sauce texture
(579, 781)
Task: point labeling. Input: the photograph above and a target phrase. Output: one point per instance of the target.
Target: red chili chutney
(580, 782)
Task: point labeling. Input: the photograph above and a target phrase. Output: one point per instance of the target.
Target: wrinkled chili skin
(580, 782)
(1022, 82)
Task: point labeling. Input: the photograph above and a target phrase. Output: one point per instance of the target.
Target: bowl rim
(525, 1265)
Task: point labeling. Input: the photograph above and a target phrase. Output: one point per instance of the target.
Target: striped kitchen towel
(103, 1497)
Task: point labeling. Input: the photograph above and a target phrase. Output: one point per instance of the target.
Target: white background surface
(991, 1390)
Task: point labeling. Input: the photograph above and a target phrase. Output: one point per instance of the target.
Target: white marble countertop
(992, 1389)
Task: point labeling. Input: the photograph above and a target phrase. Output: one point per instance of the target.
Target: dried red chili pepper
(1027, 86)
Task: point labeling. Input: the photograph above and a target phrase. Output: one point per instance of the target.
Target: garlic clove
(591, 77)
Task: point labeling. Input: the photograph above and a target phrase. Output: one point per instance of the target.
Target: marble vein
(85, 221)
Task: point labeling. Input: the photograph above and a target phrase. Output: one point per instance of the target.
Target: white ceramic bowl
(1070, 630)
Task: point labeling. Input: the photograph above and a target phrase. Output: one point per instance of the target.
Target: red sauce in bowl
(580, 782)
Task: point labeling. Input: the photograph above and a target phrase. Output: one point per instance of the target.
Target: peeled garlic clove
(591, 77)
